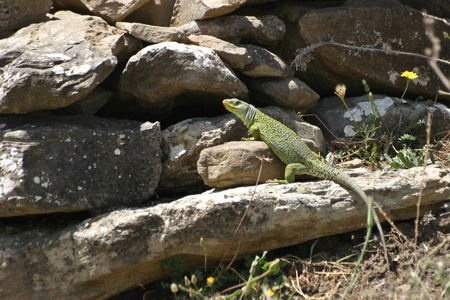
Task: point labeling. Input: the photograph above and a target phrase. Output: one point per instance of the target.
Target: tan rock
(236, 163)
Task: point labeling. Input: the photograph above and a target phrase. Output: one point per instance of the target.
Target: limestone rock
(236, 163)
(183, 142)
(264, 30)
(285, 92)
(394, 112)
(110, 10)
(155, 12)
(66, 164)
(19, 13)
(102, 256)
(185, 11)
(235, 56)
(265, 64)
(158, 73)
(378, 28)
(153, 34)
(53, 64)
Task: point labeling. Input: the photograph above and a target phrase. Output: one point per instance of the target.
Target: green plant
(375, 140)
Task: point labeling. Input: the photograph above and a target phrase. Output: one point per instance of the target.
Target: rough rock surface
(378, 28)
(183, 142)
(53, 64)
(94, 259)
(395, 113)
(110, 10)
(153, 34)
(265, 64)
(186, 11)
(154, 12)
(285, 92)
(20, 13)
(235, 56)
(65, 164)
(160, 72)
(264, 30)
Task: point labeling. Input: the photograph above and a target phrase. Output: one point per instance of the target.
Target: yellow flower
(270, 293)
(409, 75)
(210, 280)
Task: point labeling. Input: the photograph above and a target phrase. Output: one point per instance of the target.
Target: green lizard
(297, 156)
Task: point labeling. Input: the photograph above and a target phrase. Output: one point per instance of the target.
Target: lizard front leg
(254, 130)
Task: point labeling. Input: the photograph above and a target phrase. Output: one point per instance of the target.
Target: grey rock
(88, 105)
(159, 73)
(183, 142)
(153, 34)
(285, 92)
(20, 13)
(102, 256)
(53, 64)
(265, 64)
(66, 164)
(378, 28)
(264, 30)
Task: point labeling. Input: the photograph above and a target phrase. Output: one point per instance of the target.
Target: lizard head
(237, 107)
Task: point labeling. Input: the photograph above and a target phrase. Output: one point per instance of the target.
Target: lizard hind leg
(290, 172)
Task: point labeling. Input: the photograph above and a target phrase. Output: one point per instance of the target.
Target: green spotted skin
(297, 156)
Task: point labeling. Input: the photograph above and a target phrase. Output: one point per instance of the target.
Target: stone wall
(107, 105)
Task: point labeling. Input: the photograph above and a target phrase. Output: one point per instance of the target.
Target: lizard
(297, 156)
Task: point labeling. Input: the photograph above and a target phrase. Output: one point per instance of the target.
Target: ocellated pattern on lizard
(297, 156)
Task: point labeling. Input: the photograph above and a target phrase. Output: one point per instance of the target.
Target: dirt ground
(416, 272)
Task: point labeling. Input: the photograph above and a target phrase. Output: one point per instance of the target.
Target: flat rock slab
(67, 164)
(105, 255)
